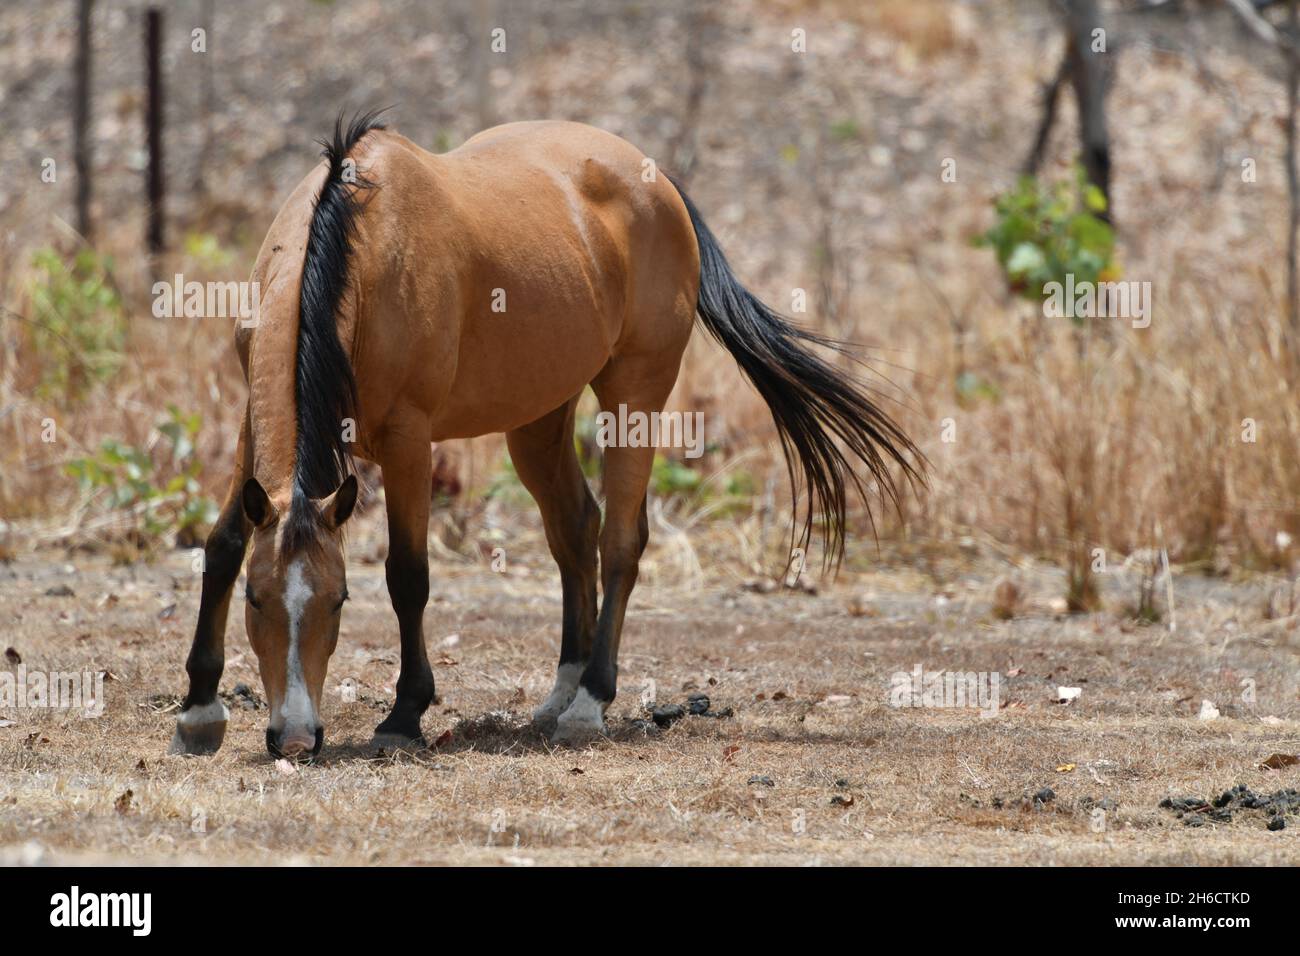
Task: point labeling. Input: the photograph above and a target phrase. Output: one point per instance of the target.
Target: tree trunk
(81, 146)
(154, 124)
(1089, 77)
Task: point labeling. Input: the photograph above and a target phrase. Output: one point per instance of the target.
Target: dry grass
(807, 677)
(820, 174)
(1136, 444)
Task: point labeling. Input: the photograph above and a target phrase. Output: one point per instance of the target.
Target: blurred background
(918, 168)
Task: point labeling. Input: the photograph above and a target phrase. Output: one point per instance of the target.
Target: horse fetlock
(200, 730)
(582, 720)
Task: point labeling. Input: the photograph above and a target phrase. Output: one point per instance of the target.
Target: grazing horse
(409, 298)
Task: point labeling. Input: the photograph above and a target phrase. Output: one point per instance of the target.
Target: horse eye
(248, 596)
(338, 607)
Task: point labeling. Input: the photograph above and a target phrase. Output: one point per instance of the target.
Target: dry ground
(806, 675)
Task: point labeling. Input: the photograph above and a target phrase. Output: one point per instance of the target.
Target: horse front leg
(201, 727)
(407, 464)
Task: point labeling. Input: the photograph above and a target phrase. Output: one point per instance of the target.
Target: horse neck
(271, 403)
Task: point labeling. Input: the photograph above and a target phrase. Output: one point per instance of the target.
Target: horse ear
(257, 504)
(338, 507)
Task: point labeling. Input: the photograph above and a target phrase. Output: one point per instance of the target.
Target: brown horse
(408, 298)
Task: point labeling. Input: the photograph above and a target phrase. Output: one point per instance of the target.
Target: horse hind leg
(547, 465)
(622, 542)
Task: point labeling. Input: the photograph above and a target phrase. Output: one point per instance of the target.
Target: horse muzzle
(294, 742)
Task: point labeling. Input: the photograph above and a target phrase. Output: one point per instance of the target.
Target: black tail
(812, 403)
(324, 388)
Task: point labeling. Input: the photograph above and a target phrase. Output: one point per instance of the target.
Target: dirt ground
(813, 766)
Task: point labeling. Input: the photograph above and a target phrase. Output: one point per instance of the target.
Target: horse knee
(223, 553)
(408, 582)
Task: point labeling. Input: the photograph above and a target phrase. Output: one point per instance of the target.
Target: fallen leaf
(123, 803)
(1278, 761)
(842, 801)
(1065, 768)
(1015, 672)
(730, 752)
(443, 738)
(576, 771)
(517, 698)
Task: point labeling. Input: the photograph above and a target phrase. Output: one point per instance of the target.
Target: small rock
(1277, 823)
(1046, 795)
(1184, 804)
(1208, 711)
(12, 656)
(60, 590)
(763, 781)
(698, 704)
(666, 715)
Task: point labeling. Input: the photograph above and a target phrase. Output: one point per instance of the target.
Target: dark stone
(665, 716)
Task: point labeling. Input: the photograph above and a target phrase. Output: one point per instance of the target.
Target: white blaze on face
(296, 709)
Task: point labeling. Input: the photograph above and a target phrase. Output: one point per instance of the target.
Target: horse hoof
(200, 730)
(547, 716)
(582, 721)
(393, 742)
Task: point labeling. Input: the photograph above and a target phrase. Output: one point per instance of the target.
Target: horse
(408, 298)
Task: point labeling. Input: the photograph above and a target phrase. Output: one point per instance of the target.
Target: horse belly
(514, 368)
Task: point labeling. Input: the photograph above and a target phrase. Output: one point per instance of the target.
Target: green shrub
(164, 499)
(79, 324)
(1045, 232)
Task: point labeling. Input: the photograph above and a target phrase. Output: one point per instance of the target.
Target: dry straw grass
(822, 176)
(1073, 444)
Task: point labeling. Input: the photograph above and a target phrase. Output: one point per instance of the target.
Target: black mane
(325, 390)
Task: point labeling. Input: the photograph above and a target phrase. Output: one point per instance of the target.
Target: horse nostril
(292, 746)
(295, 743)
